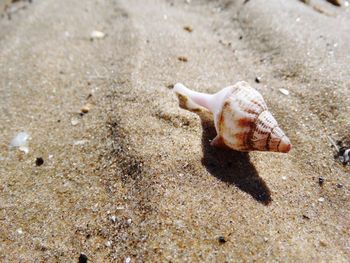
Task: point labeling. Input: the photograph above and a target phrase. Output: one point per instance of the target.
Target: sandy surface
(135, 176)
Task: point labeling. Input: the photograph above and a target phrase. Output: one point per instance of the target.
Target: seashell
(241, 117)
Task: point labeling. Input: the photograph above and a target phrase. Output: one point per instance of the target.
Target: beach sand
(135, 178)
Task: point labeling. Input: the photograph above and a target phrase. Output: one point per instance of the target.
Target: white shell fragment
(20, 141)
(97, 34)
(345, 157)
(113, 219)
(241, 117)
(321, 199)
(74, 121)
(284, 92)
(24, 149)
(80, 142)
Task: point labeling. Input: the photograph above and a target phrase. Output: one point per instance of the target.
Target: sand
(135, 177)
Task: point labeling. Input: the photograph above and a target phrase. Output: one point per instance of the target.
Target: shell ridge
(267, 145)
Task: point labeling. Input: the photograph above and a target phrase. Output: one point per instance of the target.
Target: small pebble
(83, 258)
(19, 231)
(257, 79)
(222, 239)
(127, 260)
(306, 217)
(129, 221)
(39, 161)
(322, 243)
(320, 181)
(188, 28)
(345, 158)
(86, 108)
(335, 2)
(284, 92)
(24, 149)
(321, 199)
(182, 59)
(95, 207)
(97, 35)
(339, 185)
(80, 142)
(108, 243)
(113, 219)
(74, 121)
(284, 178)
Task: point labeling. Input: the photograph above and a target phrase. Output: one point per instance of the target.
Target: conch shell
(241, 117)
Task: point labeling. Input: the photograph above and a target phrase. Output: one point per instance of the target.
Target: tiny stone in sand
(39, 161)
(182, 59)
(222, 239)
(83, 258)
(74, 121)
(321, 199)
(284, 92)
(188, 28)
(97, 35)
(85, 108)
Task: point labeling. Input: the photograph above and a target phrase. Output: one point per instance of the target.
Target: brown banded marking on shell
(261, 137)
(246, 124)
(234, 127)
